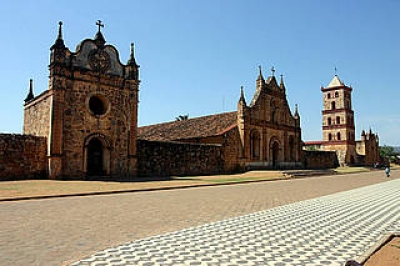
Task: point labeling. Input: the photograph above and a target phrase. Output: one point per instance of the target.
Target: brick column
(56, 133)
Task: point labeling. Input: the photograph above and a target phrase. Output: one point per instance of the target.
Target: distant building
(338, 128)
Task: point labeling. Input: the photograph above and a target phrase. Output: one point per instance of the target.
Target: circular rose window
(98, 105)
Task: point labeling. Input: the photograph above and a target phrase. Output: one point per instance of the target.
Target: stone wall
(81, 125)
(177, 158)
(232, 150)
(320, 159)
(22, 157)
(37, 115)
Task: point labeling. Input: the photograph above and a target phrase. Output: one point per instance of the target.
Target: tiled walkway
(323, 231)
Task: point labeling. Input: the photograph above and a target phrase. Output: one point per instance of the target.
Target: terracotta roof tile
(314, 142)
(205, 126)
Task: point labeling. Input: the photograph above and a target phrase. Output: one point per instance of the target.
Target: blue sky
(195, 55)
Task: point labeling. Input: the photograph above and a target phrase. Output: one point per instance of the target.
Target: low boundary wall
(156, 158)
(22, 157)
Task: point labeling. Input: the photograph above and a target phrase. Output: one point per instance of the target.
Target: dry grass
(36, 188)
(347, 169)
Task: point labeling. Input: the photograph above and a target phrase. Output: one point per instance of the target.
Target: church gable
(269, 103)
(90, 56)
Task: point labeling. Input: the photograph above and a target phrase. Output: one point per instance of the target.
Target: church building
(261, 135)
(85, 126)
(88, 114)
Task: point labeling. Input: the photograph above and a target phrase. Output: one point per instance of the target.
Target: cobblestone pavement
(324, 231)
(64, 230)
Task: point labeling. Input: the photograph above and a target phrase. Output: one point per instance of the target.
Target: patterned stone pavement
(323, 231)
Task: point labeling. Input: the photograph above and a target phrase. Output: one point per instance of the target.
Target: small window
(336, 94)
(333, 105)
(338, 120)
(98, 104)
(329, 95)
(329, 121)
(338, 136)
(330, 136)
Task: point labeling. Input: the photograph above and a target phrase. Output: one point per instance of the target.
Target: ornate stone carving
(99, 60)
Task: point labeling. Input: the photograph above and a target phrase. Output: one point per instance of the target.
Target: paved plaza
(324, 231)
(245, 223)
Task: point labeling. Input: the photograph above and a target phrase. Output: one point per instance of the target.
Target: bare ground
(388, 255)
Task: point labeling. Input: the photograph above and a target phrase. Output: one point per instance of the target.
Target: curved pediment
(104, 59)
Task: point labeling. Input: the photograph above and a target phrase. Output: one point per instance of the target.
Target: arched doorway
(95, 158)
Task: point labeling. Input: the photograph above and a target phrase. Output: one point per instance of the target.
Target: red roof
(199, 127)
(314, 142)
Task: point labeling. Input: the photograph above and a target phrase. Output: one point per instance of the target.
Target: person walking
(387, 171)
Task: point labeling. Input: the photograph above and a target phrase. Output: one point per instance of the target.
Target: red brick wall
(320, 159)
(232, 151)
(173, 158)
(22, 157)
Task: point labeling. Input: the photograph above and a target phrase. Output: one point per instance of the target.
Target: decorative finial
(59, 43)
(296, 110)
(282, 85)
(132, 61)
(335, 71)
(101, 25)
(132, 51)
(60, 29)
(30, 95)
(242, 99)
(99, 38)
(273, 71)
(260, 76)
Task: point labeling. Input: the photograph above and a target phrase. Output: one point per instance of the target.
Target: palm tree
(182, 118)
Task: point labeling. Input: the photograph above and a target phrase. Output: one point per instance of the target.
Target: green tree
(387, 151)
(182, 118)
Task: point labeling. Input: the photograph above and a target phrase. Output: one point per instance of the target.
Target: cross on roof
(273, 71)
(98, 23)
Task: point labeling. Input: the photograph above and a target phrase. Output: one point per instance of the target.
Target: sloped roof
(314, 142)
(205, 126)
(335, 82)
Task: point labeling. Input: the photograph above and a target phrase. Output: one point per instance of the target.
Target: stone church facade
(261, 135)
(89, 112)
